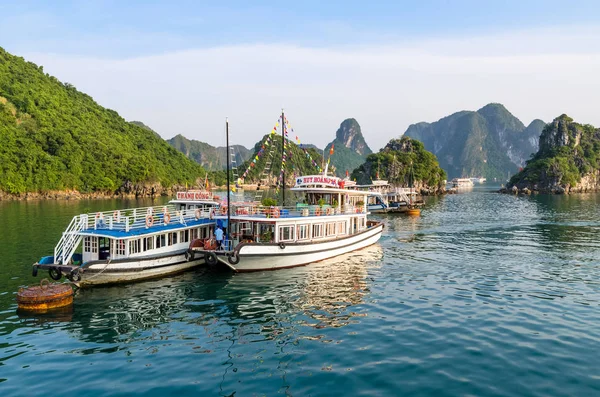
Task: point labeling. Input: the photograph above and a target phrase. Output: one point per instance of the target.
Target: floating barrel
(44, 297)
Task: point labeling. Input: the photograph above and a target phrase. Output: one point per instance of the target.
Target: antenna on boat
(282, 155)
(228, 187)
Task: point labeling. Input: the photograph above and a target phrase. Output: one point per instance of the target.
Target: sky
(182, 67)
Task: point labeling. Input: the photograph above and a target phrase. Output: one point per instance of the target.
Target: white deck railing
(249, 209)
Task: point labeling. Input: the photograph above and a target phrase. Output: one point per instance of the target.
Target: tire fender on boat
(282, 246)
(234, 259)
(55, 273)
(210, 258)
(75, 276)
(189, 255)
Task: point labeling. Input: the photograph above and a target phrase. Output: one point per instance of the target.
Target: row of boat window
(90, 244)
(319, 230)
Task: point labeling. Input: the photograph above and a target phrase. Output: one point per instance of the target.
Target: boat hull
(135, 269)
(259, 257)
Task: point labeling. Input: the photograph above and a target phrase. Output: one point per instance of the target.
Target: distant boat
(461, 183)
(478, 180)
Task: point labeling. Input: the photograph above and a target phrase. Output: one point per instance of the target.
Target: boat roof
(196, 197)
(138, 232)
(323, 184)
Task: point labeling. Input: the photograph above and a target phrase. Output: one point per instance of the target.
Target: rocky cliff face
(490, 142)
(568, 160)
(350, 148)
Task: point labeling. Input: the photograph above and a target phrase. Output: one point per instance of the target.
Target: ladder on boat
(68, 243)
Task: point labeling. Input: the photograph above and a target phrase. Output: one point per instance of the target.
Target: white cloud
(535, 74)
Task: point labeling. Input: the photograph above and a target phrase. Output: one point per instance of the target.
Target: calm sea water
(483, 295)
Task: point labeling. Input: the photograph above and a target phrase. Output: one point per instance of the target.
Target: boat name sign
(317, 179)
(193, 195)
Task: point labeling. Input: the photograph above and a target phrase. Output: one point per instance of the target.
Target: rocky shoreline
(128, 190)
(590, 183)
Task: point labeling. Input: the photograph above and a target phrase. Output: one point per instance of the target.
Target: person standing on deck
(219, 237)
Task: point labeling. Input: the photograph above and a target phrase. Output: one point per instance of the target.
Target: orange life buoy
(167, 218)
(329, 211)
(223, 210)
(275, 212)
(116, 215)
(149, 220)
(318, 211)
(197, 213)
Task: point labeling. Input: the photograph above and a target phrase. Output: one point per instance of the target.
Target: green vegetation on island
(403, 162)
(57, 138)
(568, 160)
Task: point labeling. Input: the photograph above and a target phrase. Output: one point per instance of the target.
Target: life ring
(210, 258)
(234, 259)
(149, 220)
(329, 211)
(166, 218)
(275, 212)
(223, 210)
(282, 246)
(117, 215)
(212, 214)
(55, 273)
(197, 213)
(318, 211)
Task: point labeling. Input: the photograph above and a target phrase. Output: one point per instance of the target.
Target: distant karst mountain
(210, 157)
(350, 148)
(490, 142)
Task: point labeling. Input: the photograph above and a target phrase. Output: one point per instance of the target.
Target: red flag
(331, 150)
(346, 173)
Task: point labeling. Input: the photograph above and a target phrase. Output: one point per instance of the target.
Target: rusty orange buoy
(44, 297)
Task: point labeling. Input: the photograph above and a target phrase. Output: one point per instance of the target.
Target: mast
(283, 154)
(228, 188)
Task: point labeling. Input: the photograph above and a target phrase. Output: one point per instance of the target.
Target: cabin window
(120, 247)
(148, 243)
(363, 223)
(184, 236)
(286, 233)
(160, 241)
(172, 238)
(90, 244)
(341, 228)
(302, 232)
(330, 229)
(317, 230)
(134, 246)
(194, 234)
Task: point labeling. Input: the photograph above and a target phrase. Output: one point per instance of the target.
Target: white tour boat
(328, 220)
(132, 244)
(462, 183)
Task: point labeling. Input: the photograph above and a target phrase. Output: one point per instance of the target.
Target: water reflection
(320, 295)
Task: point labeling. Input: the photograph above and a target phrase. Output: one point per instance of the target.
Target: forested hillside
(54, 137)
(210, 157)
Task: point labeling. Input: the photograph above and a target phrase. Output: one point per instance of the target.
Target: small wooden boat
(413, 211)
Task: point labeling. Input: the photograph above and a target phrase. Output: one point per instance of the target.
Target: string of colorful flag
(287, 151)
